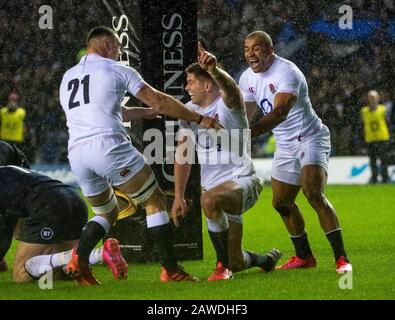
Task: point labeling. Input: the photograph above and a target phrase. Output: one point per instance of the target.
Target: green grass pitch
(367, 216)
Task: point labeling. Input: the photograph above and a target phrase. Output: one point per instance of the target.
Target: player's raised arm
(230, 91)
(283, 103)
(165, 104)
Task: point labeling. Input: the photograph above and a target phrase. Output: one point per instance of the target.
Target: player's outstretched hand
(207, 60)
(179, 209)
(3, 265)
(210, 123)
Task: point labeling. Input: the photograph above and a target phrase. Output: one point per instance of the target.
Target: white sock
(218, 225)
(157, 219)
(96, 256)
(38, 265)
(60, 259)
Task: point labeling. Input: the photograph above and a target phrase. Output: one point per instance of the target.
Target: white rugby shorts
(252, 187)
(313, 150)
(105, 161)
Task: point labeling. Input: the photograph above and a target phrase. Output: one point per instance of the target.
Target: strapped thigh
(146, 190)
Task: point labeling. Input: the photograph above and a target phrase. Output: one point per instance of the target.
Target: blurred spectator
(12, 117)
(376, 134)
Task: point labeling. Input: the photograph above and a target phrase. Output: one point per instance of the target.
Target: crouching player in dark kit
(51, 216)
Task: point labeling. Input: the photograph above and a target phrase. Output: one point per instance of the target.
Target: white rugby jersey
(91, 94)
(224, 158)
(282, 76)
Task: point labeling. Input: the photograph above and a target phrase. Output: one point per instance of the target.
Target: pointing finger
(200, 47)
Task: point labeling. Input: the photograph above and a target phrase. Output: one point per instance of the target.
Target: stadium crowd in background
(345, 65)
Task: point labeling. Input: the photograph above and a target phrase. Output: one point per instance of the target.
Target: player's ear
(208, 85)
(107, 44)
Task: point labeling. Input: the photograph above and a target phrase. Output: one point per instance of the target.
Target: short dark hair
(263, 36)
(198, 71)
(99, 32)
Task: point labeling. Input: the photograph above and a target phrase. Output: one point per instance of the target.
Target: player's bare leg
(143, 189)
(216, 203)
(26, 251)
(62, 254)
(283, 202)
(222, 206)
(313, 184)
(105, 207)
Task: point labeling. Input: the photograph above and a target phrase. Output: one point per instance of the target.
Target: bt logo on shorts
(124, 172)
(46, 233)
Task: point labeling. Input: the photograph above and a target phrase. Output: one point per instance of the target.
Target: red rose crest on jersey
(272, 88)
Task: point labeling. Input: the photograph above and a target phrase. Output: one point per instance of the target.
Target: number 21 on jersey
(73, 86)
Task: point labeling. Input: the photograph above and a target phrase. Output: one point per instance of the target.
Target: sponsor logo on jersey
(124, 172)
(46, 233)
(272, 88)
(251, 89)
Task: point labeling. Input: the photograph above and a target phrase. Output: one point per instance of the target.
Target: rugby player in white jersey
(279, 88)
(102, 157)
(228, 178)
